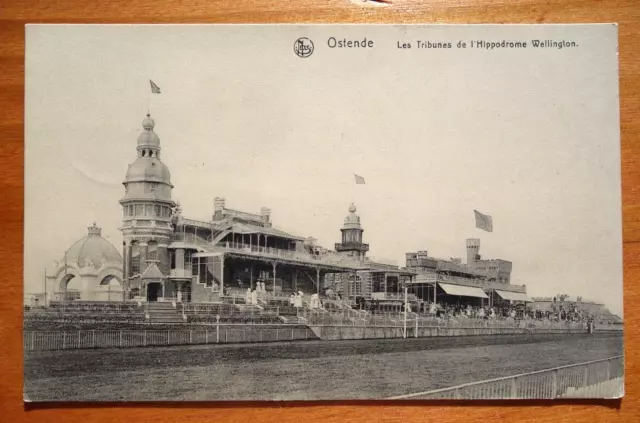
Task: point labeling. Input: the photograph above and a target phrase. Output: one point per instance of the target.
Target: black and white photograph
(322, 212)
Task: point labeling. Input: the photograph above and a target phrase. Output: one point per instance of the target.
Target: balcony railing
(328, 259)
(392, 296)
(180, 273)
(347, 246)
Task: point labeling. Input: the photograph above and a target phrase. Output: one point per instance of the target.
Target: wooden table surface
(14, 14)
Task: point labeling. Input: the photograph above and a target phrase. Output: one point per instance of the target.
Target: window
(187, 260)
(156, 211)
(172, 259)
(378, 282)
(194, 266)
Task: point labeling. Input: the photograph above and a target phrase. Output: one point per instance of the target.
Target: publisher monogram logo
(303, 47)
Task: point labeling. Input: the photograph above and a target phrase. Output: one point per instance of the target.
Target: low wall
(354, 332)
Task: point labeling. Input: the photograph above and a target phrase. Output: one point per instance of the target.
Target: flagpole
(45, 287)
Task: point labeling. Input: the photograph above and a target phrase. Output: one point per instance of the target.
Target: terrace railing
(268, 251)
(593, 379)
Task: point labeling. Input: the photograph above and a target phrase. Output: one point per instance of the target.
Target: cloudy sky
(530, 136)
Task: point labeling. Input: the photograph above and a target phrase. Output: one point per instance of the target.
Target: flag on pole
(483, 221)
(154, 88)
(359, 179)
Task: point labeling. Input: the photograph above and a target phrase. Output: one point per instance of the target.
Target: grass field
(299, 370)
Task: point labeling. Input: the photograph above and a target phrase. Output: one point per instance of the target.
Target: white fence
(589, 378)
(81, 339)
(363, 318)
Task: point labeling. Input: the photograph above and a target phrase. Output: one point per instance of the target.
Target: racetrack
(300, 370)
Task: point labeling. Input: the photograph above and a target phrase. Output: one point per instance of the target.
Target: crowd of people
(504, 312)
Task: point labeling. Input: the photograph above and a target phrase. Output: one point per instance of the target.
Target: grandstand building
(478, 282)
(169, 257)
(375, 280)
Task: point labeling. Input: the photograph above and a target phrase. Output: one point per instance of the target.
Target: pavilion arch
(64, 276)
(64, 281)
(108, 274)
(106, 281)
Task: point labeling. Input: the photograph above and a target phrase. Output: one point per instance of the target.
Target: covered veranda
(235, 272)
(450, 294)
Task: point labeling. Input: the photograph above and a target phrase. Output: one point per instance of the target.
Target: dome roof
(148, 137)
(148, 123)
(92, 249)
(148, 169)
(352, 220)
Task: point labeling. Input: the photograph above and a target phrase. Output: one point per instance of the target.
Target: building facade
(167, 257)
(477, 282)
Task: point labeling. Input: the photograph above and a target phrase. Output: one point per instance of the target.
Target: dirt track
(300, 370)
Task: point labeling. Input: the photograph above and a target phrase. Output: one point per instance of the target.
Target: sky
(529, 136)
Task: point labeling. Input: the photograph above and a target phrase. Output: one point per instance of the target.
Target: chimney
(265, 213)
(218, 204)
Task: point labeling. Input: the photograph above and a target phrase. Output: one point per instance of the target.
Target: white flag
(483, 221)
(359, 179)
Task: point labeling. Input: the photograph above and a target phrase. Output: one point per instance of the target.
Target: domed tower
(352, 236)
(147, 212)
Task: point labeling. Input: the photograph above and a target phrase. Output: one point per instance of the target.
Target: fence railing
(81, 339)
(589, 378)
(362, 318)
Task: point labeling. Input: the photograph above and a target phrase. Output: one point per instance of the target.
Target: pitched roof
(152, 272)
(243, 228)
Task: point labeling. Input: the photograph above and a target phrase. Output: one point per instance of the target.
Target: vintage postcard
(322, 212)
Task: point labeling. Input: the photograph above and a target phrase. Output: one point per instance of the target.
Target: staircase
(164, 313)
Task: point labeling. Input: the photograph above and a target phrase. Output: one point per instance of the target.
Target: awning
(514, 296)
(463, 291)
